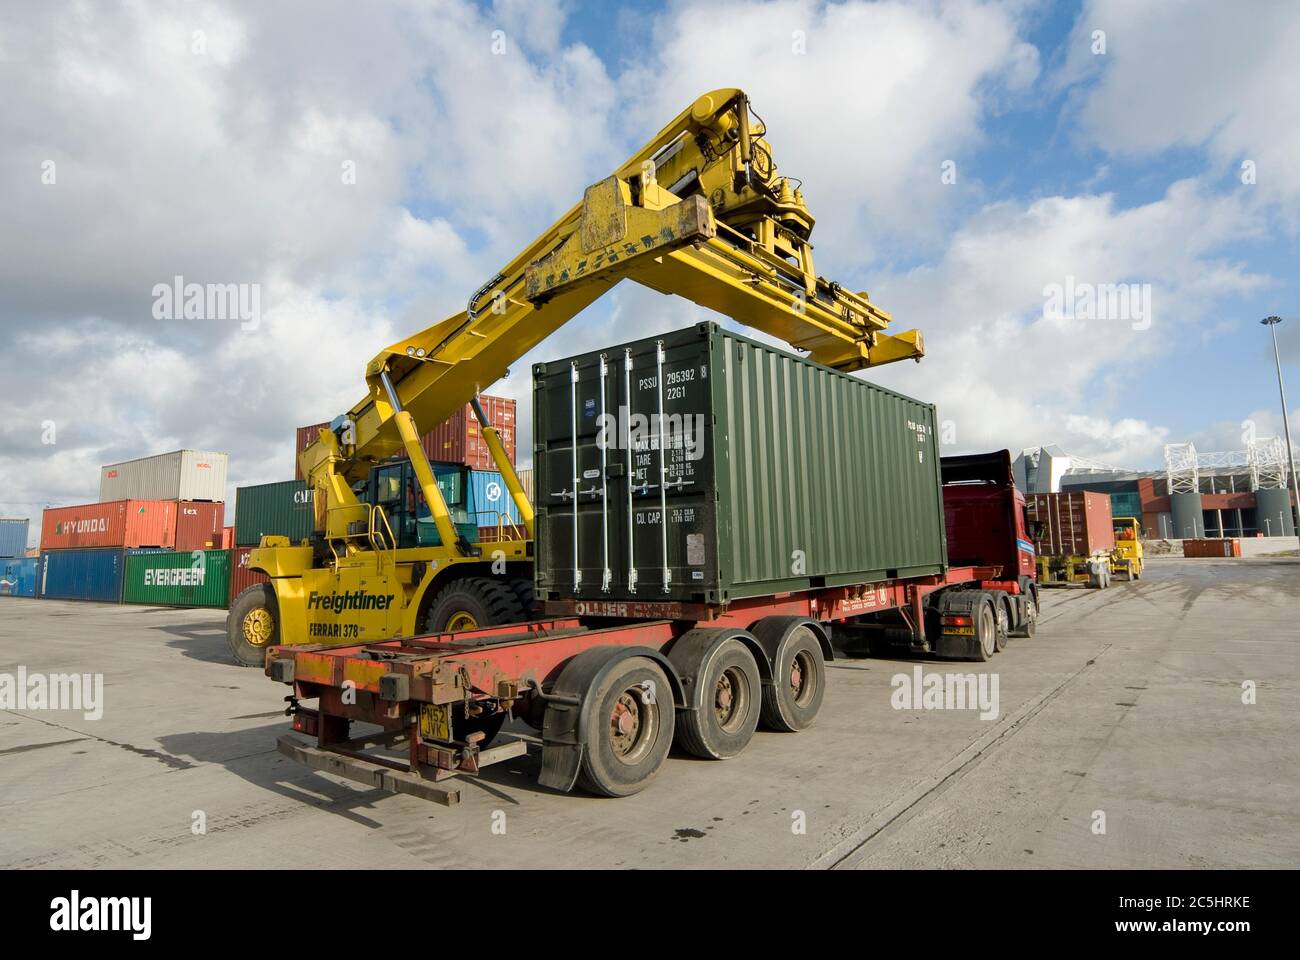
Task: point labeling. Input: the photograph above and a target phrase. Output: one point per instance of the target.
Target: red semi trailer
(610, 686)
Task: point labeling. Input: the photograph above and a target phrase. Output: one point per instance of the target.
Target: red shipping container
(457, 440)
(227, 538)
(1074, 523)
(119, 523)
(199, 524)
(241, 578)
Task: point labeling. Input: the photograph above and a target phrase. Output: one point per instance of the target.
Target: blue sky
(220, 161)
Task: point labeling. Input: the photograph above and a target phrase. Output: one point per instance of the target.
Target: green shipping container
(273, 510)
(197, 578)
(776, 474)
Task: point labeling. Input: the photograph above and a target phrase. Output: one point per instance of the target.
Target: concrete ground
(1128, 703)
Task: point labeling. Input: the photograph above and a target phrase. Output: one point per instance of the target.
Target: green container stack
(192, 578)
(273, 509)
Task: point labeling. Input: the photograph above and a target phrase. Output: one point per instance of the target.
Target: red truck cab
(984, 515)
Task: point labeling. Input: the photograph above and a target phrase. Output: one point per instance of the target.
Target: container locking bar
(663, 464)
(631, 476)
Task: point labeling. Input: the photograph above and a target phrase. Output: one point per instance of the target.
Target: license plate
(435, 721)
(960, 631)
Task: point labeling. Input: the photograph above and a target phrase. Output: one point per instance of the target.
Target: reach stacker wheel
(253, 625)
(631, 729)
(794, 697)
(472, 603)
(721, 676)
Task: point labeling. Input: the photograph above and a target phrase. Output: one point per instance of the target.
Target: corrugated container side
(195, 578)
(13, 536)
(123, 523)
(18, 576)
(179, 475)
(281, 509)
(456, 440)
(199, 525)
(489, 502)
(783, 475)
(241, 578)
(82, 575)
(1070, 523)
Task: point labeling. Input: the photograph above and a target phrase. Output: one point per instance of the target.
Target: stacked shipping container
(457, 440)
(181, 475)
(13, 536)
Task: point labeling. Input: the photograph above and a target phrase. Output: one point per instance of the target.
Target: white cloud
(883, 95)
(1215, 75)
(1005, 374)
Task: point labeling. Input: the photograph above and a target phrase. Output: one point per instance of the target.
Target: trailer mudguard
(568, 709)
(770, 631)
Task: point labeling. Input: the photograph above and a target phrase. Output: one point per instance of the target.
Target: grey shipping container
(273, 509)
(777, 474)
(180, 475)
(13, 536)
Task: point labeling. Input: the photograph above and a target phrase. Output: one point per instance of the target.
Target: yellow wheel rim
(257, 627)
(461, 621)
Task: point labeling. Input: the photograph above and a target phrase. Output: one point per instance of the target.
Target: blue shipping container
(489, 499)
(18, 577)
(13, 536)
(83, 575)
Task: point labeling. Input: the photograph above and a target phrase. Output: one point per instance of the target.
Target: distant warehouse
(180, 475)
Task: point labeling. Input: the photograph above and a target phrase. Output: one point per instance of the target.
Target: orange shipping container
(199, 525)
(241, 578)
(119, 523)
(227, 538)
(1070, 523)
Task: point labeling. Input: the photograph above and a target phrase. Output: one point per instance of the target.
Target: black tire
(794, 697)
(1028, 623)
(731, 694)
(986, 631)
(253, 625)
(619, 764)
(527, 596)
(1001, 601)
(471, 603)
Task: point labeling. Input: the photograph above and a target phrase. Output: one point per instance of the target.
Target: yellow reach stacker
(700, 212)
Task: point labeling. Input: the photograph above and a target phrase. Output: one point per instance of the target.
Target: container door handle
(607, 575)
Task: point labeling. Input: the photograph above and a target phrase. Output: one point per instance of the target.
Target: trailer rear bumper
(384, 774)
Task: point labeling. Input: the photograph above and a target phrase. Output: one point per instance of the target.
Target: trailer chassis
(594, 681)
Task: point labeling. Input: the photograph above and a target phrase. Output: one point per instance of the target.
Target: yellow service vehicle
(1127, 556)
(701, 212)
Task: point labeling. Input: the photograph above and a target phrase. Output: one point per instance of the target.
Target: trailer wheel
(986, 631)
(253, 625)
(472, 603)
(1028, 624)
(1001, 601)
(793, 698)
(729, 690)
(631, 729)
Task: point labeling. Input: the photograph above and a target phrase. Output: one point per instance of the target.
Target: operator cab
(394, 487)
